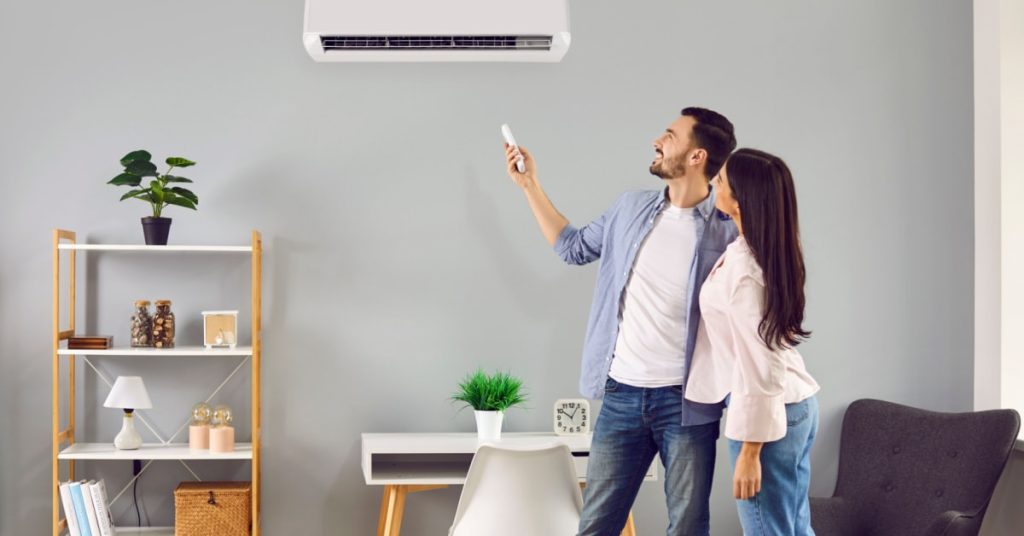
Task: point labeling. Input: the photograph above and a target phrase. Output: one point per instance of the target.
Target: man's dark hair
(713, 133)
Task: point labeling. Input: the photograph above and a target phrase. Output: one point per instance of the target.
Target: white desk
(408, 463)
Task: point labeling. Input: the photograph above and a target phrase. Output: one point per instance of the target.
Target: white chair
(517, 492)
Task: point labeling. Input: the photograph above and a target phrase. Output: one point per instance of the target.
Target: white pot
(488, 425)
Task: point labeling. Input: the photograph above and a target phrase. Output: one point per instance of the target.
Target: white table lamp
(129, 394)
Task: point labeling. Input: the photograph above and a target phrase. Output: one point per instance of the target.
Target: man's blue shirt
(614, 238)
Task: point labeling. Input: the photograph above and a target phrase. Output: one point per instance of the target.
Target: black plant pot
(156, 230)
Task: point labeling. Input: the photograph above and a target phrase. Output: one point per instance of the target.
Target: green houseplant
(159, 192)
(490, 396)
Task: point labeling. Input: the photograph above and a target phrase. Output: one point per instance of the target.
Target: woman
(752, 306)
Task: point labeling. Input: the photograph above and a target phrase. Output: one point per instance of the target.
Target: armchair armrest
(955, 523)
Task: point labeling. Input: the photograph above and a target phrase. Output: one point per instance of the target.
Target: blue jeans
(781, 508)
(635, 424)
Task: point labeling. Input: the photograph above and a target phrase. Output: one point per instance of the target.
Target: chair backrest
(515, 492)
(908, 465)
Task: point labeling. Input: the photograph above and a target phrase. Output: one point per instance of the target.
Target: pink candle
(222, 439)
(199, 436)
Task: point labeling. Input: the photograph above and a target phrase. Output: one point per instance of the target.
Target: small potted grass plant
(490, 396)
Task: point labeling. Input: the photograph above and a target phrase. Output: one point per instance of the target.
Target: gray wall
(399, 255)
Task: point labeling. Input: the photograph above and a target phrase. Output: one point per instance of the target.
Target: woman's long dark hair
(763, 186)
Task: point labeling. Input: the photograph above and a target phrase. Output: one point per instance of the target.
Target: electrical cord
(136, 469)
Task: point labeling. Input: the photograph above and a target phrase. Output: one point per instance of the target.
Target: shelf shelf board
(154, 352)
(155, 249)
(151, 451)
(148, 531)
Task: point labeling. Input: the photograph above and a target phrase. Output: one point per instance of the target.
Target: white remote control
(507, 133)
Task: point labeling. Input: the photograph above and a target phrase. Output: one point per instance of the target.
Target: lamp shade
(128, 393)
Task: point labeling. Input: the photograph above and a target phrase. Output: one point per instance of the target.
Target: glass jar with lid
(163, 325)
(141, 325)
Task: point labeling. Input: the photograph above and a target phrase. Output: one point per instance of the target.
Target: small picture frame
(220, 329)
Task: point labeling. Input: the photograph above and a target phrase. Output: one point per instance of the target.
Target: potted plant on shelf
(490, 396)
(158, 193)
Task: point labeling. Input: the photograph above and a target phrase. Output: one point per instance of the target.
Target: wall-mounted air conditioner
(436, 30)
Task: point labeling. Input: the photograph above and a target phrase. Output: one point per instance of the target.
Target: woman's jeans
(635, 424)
(781, 508)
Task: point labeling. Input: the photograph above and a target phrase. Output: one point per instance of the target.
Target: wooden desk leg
(392, 507)
(399, 511)
(630, 528)
(387, 507)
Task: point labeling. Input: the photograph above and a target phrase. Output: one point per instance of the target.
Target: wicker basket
(213, 509)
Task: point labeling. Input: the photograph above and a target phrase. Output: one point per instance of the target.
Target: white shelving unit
(67, 450)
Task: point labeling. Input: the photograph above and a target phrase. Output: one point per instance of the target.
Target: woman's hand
(746, 479)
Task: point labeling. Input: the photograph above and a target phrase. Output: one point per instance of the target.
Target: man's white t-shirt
(651, 345)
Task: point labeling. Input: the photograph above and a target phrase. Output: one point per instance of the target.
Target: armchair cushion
(835, 516)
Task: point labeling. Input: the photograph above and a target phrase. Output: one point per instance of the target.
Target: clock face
(572, 416)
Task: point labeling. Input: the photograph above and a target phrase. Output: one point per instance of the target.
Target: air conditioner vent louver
(436, 42)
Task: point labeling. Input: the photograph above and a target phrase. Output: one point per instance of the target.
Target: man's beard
(668, 168)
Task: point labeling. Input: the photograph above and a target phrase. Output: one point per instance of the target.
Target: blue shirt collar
(706, 207)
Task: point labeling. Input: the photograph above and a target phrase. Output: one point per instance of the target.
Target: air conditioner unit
(436, 30)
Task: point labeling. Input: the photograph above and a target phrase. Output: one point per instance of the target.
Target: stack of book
(95, 342)
(87, 508)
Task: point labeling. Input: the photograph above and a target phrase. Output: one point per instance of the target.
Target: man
(656, 248)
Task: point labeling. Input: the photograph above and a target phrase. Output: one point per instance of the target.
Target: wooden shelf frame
(64, 446)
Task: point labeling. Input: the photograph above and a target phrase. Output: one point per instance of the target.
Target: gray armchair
(905, 471)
